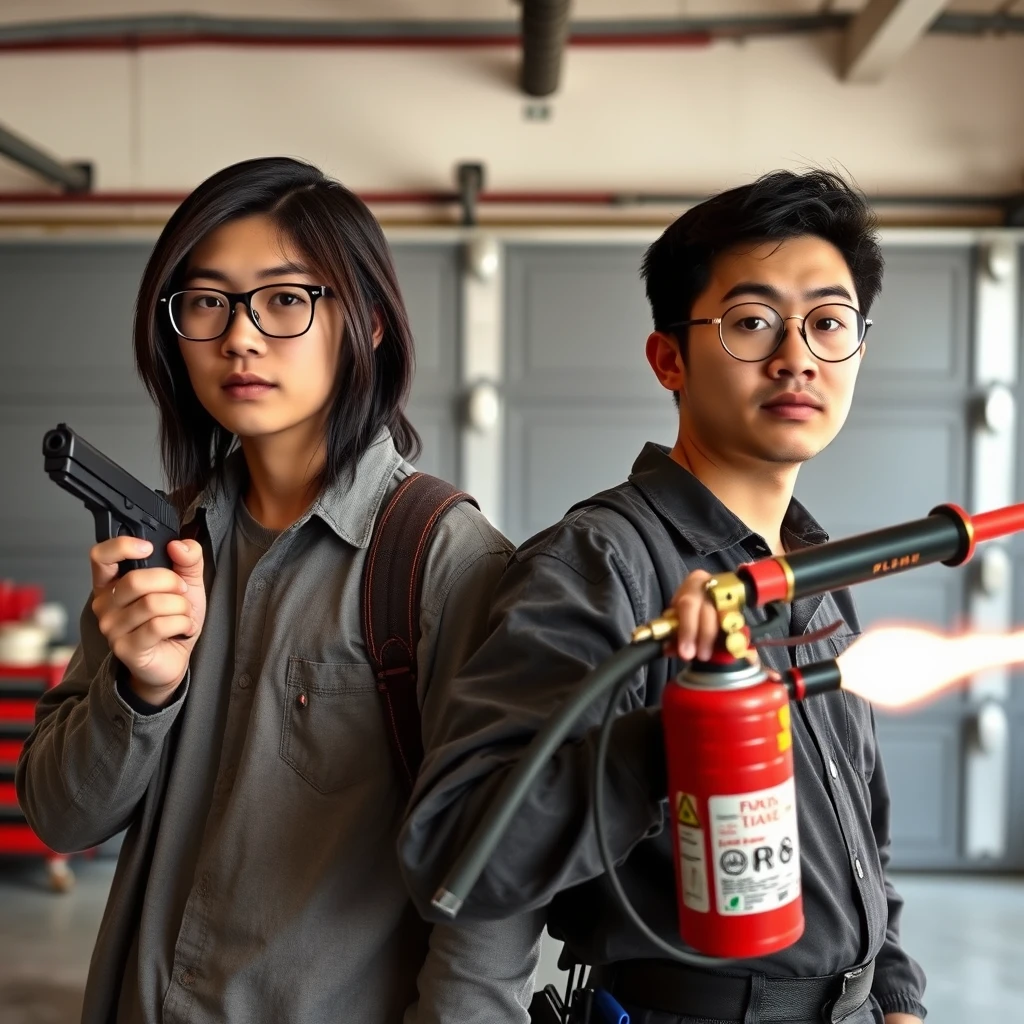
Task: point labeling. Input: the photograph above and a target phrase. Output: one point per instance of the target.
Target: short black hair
(339, 236)
(784, 204)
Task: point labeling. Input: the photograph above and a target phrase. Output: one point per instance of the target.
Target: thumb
(187, 556)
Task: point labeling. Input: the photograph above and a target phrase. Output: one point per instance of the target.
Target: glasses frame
(782, 329)
(314, 291)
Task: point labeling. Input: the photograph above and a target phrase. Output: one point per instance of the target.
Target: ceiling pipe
(469, 198)
(545, 31)
(142, 31)
(73, 177)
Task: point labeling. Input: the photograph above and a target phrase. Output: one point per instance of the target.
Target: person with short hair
(761, 299)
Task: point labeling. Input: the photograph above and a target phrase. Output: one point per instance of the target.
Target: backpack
(392, 590)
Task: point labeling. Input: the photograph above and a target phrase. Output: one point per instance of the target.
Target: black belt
(674, 988)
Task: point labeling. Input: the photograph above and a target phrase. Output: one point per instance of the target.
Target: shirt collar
(348, 507)
(699, 515)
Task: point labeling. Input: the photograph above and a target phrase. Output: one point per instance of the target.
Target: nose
(242, 338)
(793, 358)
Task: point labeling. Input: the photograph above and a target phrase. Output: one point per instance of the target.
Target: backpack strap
(392, 589)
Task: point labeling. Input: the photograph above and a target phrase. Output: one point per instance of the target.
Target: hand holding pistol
(148, 592)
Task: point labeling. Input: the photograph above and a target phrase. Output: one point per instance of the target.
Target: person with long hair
(225, 713)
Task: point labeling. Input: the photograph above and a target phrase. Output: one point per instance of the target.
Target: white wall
(949, 118)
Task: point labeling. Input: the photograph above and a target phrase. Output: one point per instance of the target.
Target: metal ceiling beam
(141, 31)
(72, 177)
(882, 33)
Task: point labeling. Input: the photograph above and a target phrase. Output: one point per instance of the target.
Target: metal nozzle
(660, 628)
(447, 902)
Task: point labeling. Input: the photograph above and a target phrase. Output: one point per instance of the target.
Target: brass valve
(727, 592)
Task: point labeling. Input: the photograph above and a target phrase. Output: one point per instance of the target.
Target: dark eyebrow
(281, 270)
(207, 274)
(828, 292)
(766, 291)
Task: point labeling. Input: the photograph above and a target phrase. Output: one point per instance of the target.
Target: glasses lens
(199, 314)
(751, 331)
(834, 332)
(282, 311)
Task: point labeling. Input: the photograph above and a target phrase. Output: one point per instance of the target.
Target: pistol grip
(106, 524)
(106, 528)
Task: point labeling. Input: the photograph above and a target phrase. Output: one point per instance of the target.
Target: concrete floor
(968, 932)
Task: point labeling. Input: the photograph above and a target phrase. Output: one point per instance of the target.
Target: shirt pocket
(332, 719)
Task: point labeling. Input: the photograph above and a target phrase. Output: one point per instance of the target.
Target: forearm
(555, 618)
(550, 843)
(88, 762)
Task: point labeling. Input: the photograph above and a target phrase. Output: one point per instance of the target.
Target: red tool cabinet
(20, 687)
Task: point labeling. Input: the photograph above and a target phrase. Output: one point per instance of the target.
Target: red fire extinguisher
(733, 806)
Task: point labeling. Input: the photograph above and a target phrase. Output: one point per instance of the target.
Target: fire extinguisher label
(754, 847)
(693, 862)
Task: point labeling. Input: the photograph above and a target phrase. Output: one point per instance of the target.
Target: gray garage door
(581, 402)
(65, 352)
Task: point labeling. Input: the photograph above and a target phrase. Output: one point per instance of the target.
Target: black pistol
(121, 506)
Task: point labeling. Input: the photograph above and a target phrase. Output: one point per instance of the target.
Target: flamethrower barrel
(947, 536)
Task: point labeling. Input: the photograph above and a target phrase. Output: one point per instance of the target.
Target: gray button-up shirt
(258, 879)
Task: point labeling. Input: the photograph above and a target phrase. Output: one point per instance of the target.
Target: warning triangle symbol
(688, 811)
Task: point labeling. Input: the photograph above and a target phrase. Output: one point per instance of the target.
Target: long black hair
(344, 244)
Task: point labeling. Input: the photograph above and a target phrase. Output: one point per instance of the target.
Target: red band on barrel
(972, 537)
(769, 579)
(799, 686)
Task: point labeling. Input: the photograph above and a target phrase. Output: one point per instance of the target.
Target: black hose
(460, 880)
(597, 789)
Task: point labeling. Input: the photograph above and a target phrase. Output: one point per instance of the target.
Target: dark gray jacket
(571, 597)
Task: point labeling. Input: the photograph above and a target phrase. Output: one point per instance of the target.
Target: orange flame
(898, 667)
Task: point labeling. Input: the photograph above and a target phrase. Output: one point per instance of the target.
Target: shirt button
(833, 770)
(856, 864)
(260, 584)
(187, 978)
(244, 681)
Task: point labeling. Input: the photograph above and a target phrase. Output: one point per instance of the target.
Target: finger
(708, 630)
(105, 557)
(151, 633)
(117, 622)
(187, 556)
(140, 582)
(687, 602)
(687, 609)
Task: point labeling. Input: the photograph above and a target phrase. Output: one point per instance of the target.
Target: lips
(241, 380)
(792, 398)
(246, 386)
